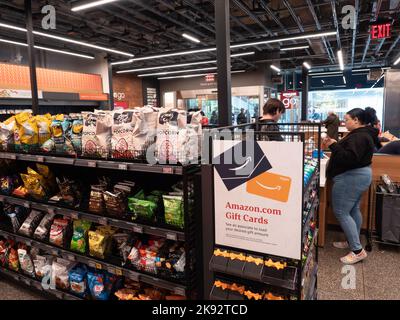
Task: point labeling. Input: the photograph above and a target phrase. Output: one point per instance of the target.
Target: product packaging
(80, 235)
(42, 231)
(31, 223)
(59, 232)
(174, 214)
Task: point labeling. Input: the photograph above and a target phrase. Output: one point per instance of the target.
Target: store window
(341, 101)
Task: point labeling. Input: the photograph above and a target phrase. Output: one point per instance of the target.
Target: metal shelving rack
(300, 278)
(190, 235)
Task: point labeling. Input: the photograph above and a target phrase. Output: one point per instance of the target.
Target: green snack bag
(142, 208)
(79, 237)
(173, 206)
(140, 195)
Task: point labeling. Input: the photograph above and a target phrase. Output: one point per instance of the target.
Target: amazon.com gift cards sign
(258, 196)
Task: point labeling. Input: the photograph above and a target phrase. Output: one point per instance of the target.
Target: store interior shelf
(311, 292)
(310, 215)
(178, 289)
(96, 163)
(126, 225)
(37, 285)
(310, 182)
(313, 244)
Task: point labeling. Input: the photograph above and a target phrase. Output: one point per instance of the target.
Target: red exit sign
(381, 31)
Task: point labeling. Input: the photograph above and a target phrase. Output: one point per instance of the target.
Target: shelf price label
(1, 198)
(74, 215)
(123, 166)
(27, 204)
(71, 257)
(133, 275)
(92, 164)
(118, 271)
(179, 291)
(27, 282)
(103, 221)
(10, 156)
(91, 264)
(38, 285)
(39, 159)
(51, 210)
(111, 270)
(138, 229)
(98, 266)
(168, 170)
(171, 236)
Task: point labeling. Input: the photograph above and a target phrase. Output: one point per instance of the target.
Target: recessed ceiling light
(340, 57)
(275, 68)
(91, 4)
(48, 49)
(178, 71)
(191, 38)
(294, 48)
(85, 44)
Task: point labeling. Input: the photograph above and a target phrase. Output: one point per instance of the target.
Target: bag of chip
(33, 186)
(27, 138)
(122, 132)
(115, 203)
(97, 286)
(41, 263)
(43, 123)
(76, 134)
(173, 206)
(7, 129)
(97, 244)
(80, 235)
(43, 229)
(13, 262)
(59, 232)
(77, 280)
(25, 262)
(31, 223)
(60, 273)
(142, 209)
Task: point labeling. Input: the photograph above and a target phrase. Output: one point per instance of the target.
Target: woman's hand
(328, 141)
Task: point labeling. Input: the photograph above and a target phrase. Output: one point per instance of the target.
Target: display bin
(281, 274)
(388, 217)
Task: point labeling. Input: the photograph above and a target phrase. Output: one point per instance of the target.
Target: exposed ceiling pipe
(296, 19)
(166, 17)
(353, 43)
(375, 13)
(328, 49)
(333, 5)
(394, 44)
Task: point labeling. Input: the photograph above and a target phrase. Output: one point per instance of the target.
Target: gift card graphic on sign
(241, 163)
(270, 185)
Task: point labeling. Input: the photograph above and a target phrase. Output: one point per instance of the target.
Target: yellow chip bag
(32, 184)
(28, 136)
(43, 123)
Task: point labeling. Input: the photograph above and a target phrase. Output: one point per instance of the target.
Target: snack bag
(49, 178)
(140, 134)
(28, 132)
(7, 129)
(97, 244)
(58, 232)
(97, 286)
(41, 263)
(115, 203)
(30, 224)
(25, 262)
(122, 132)
(33, 186)
(13, 262)
(76, 134)
(79, 237)
(60, 273)
(174, 214)
(77, 280)
(43, 229)
(43, 123)
(167, 145)
(60, 128)
(144, 209)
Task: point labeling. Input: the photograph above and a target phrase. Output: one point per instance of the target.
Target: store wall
(392, 102)
(18, 55)
(128, 89)
(261, 77)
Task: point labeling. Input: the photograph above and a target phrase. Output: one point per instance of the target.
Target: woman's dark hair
(272, 106)
(366, 117)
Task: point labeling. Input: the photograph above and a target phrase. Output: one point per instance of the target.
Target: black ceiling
(145, 27)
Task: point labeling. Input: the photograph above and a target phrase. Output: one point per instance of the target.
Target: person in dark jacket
(350, 169)
(391, 148)
(332, 123)
(272, 112)
(241, 118)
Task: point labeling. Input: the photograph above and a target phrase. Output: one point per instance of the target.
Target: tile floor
(376, 278)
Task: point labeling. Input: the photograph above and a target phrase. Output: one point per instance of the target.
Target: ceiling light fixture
(191, 38)
(325, 73)
(85, 44)
(397, 62)
(294, 48)
(275, 68)
(248, 44)
(178, 65)
(91, 5)
(360, 70)
(344, 80)
(283, 39)
(195, 75)
(48, 49)
(322, 81)
(340, 57)
(306, 65)
(178, 71)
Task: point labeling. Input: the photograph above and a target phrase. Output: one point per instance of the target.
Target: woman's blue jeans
(347, 191)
